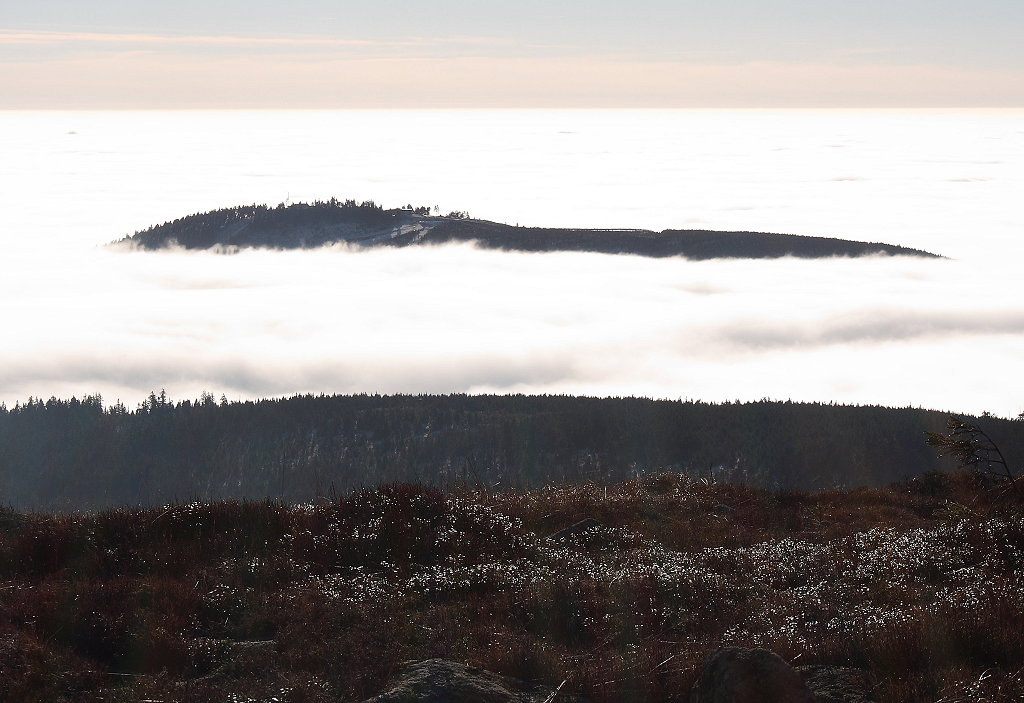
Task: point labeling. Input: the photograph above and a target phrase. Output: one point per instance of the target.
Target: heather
(919, 583)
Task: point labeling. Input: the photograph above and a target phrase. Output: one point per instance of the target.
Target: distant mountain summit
(309, 225)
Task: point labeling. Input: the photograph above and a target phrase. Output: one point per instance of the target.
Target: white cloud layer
(938, 333)
(456, 319)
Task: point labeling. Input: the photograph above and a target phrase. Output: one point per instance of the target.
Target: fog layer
(79, 318)
(896, 331)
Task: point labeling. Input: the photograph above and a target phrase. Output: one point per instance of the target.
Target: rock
(443, 681)
(576, 529)
(740, 675)
(837, 684)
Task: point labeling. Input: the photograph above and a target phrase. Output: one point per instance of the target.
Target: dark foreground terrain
(919, 585)
(307, 225)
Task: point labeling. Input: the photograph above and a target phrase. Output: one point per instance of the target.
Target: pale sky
(474, 53)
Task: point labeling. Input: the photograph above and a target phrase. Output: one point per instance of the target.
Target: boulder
(837, 684)
(443, 681)
(740, 675)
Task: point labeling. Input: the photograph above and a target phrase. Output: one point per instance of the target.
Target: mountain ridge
(322, 223)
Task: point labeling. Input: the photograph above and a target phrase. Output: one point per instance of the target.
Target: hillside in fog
(303, 225)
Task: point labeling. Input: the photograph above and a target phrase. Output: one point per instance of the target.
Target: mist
(883, 330)
(81, 318)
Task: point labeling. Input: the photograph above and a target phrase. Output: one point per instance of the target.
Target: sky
(114, 54)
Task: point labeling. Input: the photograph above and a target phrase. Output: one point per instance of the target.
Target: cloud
(873, 326)
(97, 70)
(457, 319)
(182, 41)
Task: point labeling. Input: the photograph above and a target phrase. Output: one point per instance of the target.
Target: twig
(159, 516)
(555, 692)
(663, 663)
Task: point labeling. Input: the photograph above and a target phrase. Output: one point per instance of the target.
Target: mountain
(308, 225)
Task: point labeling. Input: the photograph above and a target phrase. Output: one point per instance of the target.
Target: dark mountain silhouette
(78, 454)
(307, 225)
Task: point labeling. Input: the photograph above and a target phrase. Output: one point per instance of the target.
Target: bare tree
(973, 448)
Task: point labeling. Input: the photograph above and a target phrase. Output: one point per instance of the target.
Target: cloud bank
(447, 319)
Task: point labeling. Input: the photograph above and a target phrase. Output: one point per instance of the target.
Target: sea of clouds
(888, 330)
(80, 317)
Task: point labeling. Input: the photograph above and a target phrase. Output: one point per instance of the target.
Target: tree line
(74, 453)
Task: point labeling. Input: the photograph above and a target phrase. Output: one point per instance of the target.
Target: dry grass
(245, 602)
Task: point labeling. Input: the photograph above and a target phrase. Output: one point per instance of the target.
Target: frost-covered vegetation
(918, 583)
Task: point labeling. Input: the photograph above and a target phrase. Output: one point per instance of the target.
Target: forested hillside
(79, 454)
(306, 225)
